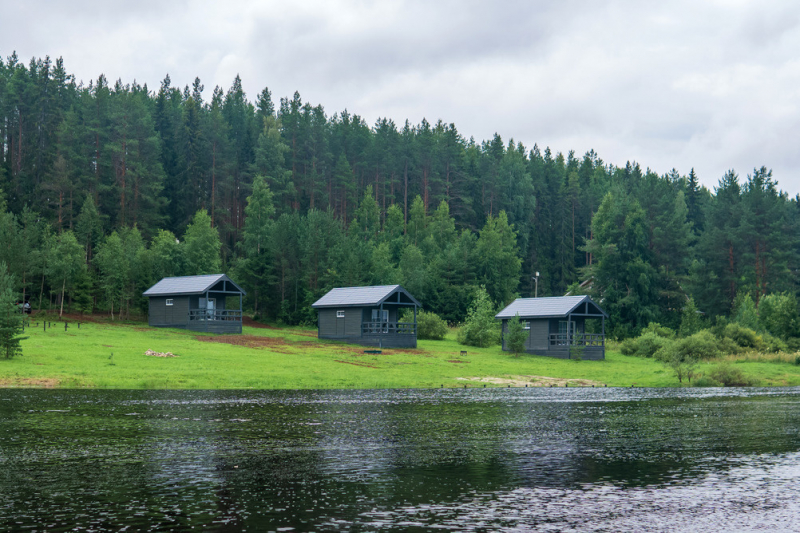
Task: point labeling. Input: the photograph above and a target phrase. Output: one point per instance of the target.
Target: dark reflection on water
(480, 460)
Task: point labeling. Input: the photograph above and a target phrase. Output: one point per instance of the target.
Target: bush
(706, 381)
(772, 344)
(645, 345)
(430, 326)
(701, 345)
(731, 376)
(742, 336)
(657, 329)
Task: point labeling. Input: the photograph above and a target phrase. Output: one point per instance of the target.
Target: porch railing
(577, 339)
(388, 328)
(215, 314)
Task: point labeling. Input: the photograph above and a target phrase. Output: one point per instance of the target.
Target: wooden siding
(538, 341)
(162, 315)
(348, 329)
(327, 323)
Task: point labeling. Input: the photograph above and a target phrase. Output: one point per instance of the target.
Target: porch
(389, 334)
(215, 320)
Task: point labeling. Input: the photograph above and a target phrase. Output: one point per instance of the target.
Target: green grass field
(293, 358)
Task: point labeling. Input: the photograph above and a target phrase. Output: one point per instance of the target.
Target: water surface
(401, 460)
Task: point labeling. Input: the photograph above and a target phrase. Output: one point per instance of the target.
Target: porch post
(569, 336)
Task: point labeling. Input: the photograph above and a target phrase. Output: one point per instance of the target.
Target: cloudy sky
(709, 84)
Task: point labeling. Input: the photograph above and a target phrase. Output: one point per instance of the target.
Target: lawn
(112, 355)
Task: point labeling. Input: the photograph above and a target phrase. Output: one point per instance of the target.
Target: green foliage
(480, 327)
(498, 258)
(691, 322)
(430, 326)
(202, 246)
(703, 345)
(744, 337)
(731, 376)
(645, 345)
(744, 311)
(657, 329)
(777, 314)
(516, 335)
(10, 316)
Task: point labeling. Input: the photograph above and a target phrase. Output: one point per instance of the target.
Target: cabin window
(339, 314)
(526, 324)
(169, 301)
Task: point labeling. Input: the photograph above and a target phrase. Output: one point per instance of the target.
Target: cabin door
(380, 321)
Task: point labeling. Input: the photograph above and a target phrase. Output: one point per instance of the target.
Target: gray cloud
(706, 84)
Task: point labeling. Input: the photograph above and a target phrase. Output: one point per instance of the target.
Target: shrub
(645, 345)
(701, 345)
(772, 344)
(706, 381)
(742, 336)
(430, 326)
(731, 376)
(657, 329)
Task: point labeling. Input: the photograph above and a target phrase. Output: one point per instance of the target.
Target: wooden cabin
(368, 316)
(210, 303)
(557, 326)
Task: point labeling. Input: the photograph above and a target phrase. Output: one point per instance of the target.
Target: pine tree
(10, 315)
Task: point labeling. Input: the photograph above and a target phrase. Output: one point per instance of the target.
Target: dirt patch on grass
(38, 383)
(534, 381)
(456, 361)
(356, 363)
(249, 322)
(250, 341)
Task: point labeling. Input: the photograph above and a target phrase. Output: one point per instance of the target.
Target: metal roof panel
(187, 285)
(554, 306)
(359, 296)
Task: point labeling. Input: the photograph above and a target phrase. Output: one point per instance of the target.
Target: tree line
(293, 201)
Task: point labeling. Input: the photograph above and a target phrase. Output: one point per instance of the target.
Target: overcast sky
(712, 85)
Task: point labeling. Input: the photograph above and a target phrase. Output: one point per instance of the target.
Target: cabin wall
(349, 328)
(538, 341)
(162, 315)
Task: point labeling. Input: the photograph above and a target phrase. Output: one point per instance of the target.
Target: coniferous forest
(111, 185)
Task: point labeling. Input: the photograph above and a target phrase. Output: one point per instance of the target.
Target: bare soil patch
(249, 322)
(38, 383)
(356, 363)
(534, 381)
(457, 361)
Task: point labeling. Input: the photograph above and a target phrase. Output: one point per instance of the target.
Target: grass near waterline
(293, 358)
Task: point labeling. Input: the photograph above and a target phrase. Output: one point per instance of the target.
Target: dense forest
(108, 187)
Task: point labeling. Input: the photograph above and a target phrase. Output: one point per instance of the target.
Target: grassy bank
(112, 355)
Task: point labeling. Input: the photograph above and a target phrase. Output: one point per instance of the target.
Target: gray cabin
(368, 316)
(557, 326)
(211, 303)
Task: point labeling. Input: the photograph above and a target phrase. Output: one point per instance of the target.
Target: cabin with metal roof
(210, 303)
(563, 326)
(368, 316)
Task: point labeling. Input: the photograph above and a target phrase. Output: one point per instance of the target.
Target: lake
(549, 459)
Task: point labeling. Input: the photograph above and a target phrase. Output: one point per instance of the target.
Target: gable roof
(361, 296)
(551, 307)
(188, 285)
